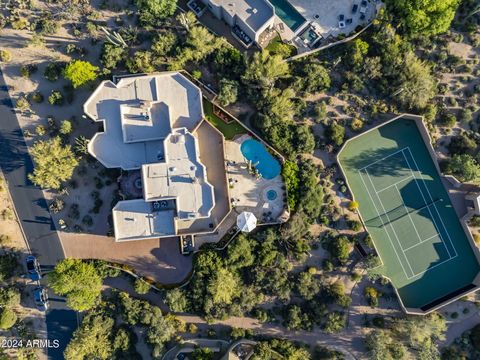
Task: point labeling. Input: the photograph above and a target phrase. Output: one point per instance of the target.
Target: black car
(33, 268)
(354, 8)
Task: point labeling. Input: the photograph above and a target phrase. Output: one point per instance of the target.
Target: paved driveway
(159, 259)
(33, 215)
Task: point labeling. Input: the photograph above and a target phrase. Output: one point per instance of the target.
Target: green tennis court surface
(418, 236)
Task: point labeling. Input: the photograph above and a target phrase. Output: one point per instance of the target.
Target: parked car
(363, 6)
(41, 298)
(33, 268)
(341, 21)
(354, 8)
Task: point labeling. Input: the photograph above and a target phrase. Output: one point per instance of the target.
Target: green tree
(112, 55)
(202, 354)
(357, 51)
(153, 11)
(228, 92)
(295, 319)
(223, 286)
(240, 253)
(78, 281)
(461, 144)
(92, 340)
(465, 168)
(164, 43)
(80, 72)
(304, 140)
(307, 285)
(277, 104)
(335, 133)
(290, 177)
(202, 43)
(427, 17)
(141, 286)
(9, 297)
(417, 86)
(8, 318)
(313, 78)
(378, 345)
(264, 70)
(141, 62)
(177, 300)
(339, 248)
(229, 63)
(65, 127)
(54, 163)
(335, 322)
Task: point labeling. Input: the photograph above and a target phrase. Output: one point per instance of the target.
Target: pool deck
(248, 191)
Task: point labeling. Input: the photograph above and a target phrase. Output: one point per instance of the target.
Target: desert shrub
(87, 220)
(53, 71)
(141, 286)
(5, 239)
(56, 98)
(36, 97)
(5, 56)
(8, 318)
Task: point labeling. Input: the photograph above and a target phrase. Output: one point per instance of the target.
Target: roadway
(33, 215)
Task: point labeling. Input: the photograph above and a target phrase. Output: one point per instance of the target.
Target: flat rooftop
(254, 13)
(182, 176)
(137, 219)
(147, 124)
(138, 110)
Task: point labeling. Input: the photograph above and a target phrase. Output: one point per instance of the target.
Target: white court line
(384, 228)
(391, 226)
(410, 217)
(386, 157)
(433, 220)
(437, 228)
(398, 182)
(421, 242)
(434, 205)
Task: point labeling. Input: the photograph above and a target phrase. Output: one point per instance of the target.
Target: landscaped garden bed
(229, 128)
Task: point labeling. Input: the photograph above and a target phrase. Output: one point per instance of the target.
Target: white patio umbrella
(246, 221)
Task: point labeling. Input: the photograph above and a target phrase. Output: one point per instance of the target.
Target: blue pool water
(271, 194)
(289, 15)
(267, 165)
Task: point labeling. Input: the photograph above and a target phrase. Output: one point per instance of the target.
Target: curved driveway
(33, 215)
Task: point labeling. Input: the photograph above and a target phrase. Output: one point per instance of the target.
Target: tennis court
(406, 209)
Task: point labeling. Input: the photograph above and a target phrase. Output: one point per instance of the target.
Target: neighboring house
(149, 124)
(249, 19)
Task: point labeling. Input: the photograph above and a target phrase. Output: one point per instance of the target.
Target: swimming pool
(289, 15)
(267, 165)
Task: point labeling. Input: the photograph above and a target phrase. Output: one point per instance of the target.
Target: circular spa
(271, 195)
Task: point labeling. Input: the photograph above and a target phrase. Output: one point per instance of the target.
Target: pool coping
(463, 221)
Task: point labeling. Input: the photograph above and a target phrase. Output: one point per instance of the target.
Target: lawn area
(228, 130)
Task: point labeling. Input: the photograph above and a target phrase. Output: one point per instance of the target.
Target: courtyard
(258, 194)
